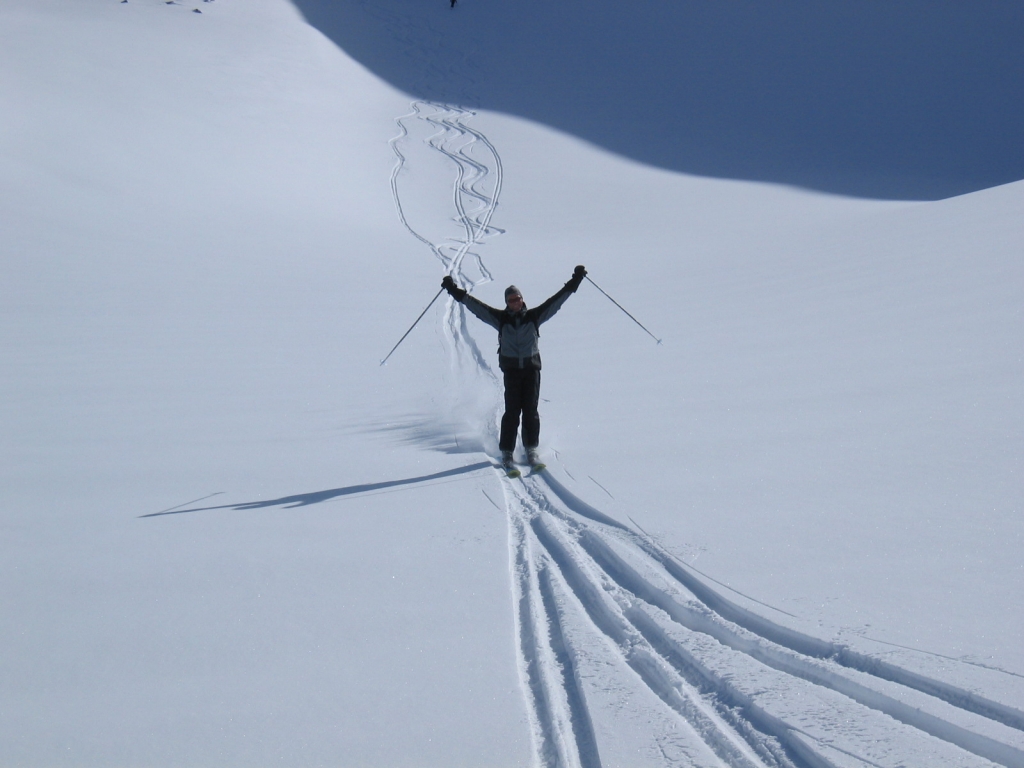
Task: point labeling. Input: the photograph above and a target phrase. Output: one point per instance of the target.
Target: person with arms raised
(518, 359)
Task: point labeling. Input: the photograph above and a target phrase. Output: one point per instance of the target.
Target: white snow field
(789, 535)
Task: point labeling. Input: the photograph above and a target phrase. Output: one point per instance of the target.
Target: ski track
(741, 690)
(757, 693)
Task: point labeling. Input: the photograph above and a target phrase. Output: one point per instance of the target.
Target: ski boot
(508, 465)
(533, 459)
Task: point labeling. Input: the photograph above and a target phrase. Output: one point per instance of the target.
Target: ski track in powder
(628, 656)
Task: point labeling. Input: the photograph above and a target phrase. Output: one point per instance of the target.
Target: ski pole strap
(613, 301)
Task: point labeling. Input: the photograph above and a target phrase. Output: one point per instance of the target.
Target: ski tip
(538, 468)
(513, 473)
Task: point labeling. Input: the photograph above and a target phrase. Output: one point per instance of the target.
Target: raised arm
(545, 311)
(488, 314)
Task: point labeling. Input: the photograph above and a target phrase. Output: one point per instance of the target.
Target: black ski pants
(522, 393)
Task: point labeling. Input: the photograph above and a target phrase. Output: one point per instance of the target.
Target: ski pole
(613, 301)
(412, 326)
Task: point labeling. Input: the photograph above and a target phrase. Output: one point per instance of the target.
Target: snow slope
(788, 535)
(912, 100)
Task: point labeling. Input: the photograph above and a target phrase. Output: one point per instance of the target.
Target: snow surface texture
(789, 536)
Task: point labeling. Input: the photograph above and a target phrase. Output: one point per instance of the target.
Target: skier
(519, 359)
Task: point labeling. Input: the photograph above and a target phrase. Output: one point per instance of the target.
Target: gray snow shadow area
(317, 497)
(454, 436)
(915, 100)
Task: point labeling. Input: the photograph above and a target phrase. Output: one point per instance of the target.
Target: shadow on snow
(317, 497)
(919, 99)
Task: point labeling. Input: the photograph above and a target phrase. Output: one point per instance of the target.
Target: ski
(511, 470)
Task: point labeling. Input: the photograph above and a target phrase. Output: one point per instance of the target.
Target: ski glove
(449, 285)
(577, 277)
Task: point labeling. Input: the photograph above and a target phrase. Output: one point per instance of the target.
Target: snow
(788, 535)
(915, 100)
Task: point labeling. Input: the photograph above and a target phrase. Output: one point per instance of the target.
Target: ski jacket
(518, 334)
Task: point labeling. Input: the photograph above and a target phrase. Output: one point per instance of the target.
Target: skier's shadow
(316, 497)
